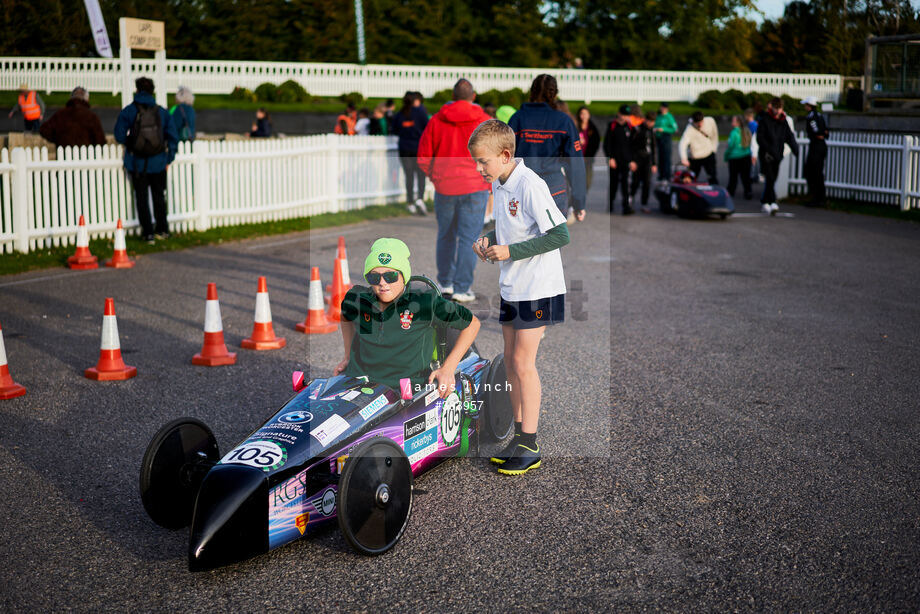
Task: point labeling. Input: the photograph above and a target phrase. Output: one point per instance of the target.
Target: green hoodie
(666, 123)
(735, 150)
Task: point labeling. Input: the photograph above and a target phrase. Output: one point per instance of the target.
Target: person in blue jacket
(409, 124)
(183, 113)
(150, 144)
(548, 142)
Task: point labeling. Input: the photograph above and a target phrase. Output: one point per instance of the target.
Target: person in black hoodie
(774, 133)
(644, 151)
(617, 147)
(410, 122)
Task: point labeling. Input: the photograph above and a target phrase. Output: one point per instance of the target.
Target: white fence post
(202, 181)
(20, 200)
(907, 143)
(332, 172)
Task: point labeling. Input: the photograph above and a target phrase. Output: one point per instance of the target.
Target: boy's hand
(613, 163)
(445, 377)
(480, 246)
(498, 252)
(340, 367)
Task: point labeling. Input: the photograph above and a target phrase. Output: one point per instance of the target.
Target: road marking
(763, 215)
(47, 277)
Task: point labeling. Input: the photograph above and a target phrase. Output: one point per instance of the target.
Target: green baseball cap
(391, 253)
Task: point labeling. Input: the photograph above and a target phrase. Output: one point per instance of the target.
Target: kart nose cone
(230, 521)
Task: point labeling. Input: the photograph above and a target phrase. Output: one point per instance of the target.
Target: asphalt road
(730, 424)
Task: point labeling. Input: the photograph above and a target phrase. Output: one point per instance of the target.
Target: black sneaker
(628, 210)
(150, 239)
(521, 461)
(504, 455)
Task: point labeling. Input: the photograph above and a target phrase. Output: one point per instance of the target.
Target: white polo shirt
(524, 209)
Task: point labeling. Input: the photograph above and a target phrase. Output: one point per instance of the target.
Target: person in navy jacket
(149, 172)
(409, 124)
(548, 141)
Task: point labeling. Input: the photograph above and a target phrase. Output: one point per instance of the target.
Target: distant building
(892, 78)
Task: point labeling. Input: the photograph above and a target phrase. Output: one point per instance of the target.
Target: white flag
(97, 23)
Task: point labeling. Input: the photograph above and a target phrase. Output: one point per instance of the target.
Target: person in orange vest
(32, 107)
(345, 123)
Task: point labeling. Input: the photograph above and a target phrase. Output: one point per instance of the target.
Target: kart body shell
(689, 198)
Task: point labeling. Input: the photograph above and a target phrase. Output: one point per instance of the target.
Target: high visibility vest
(349, 124)
(30, 108)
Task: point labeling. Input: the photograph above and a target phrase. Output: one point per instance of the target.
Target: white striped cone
(110, 365)
(341, 260)
(316, 323)
(263, 334)
(120, 258)
(82, 258)
(214, 351)
(8, 388)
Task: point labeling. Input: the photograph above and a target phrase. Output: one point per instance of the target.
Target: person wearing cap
(618, 149)
(75, 124)
(32, 107)
(387, 328)
(816, 129)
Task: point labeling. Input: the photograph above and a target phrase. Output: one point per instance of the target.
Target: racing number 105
(254, 456)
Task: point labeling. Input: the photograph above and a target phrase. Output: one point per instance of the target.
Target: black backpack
(146, 136)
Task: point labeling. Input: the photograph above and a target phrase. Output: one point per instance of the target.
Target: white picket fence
(50, 74)
(213, 183)
(872, 167)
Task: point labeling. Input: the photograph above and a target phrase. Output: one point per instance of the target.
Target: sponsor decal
(325, 503)
(513, 207)
(340, 463)
(326, 432)
(384, 258)
(287, 492)
(261, 454)
(295, 417)
(367, 390)
(351, 395)
(451, 415)
(374, 406)
(315, 394)
(577, 145)
(421, 435)
(431, 397)
(301, 522)
(405, 319)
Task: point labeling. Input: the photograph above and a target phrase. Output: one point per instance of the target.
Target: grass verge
(859, 207)
(17, 262)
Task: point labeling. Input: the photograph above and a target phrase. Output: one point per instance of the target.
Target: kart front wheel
(374, 497)
(174, 463)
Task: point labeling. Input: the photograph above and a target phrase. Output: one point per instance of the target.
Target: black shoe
(150, 239)
(748, 196)
(501, 457)
(521, 461)
(628, 210)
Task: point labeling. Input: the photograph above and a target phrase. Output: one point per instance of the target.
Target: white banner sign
(97, 24)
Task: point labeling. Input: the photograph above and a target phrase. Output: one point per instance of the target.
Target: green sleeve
(555, 237)
(450, 314)
(672, 123)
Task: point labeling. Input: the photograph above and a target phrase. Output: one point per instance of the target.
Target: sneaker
(162, 236)
(773, 208)
(420, 205)
(570, 218)
(412, 208)
(766, 209)
(464, 297)
(447, 290)
(522, 460)
(150, 239)
(501, 457)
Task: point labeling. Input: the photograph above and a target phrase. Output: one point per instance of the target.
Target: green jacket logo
(384, 258)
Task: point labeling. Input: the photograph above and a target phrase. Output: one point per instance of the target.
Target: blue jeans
(459, 225)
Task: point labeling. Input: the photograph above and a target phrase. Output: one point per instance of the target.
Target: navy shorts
(533, 314)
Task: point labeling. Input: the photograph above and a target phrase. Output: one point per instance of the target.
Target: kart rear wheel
(374, 498)
(498, 418)
(171, 471)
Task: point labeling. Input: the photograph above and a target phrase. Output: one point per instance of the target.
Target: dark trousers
(619, 178)
(643, 175)
(32, 125)
(814, 170)
(708, 164)
(664, 156)
(414, 176)
(770, 173)
(739, 167)
(157, 184)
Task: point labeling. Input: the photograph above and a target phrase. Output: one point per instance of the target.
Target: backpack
(146, 136)
(185, 131)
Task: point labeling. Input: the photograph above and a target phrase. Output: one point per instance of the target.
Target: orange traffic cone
(316, 322)
(263, 335)
(120, 258)
(214, 352)
(110, 365)
(81, 258)
(338, 293)
(8, 388)
(341, 261)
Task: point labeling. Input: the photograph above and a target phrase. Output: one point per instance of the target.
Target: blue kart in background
(341, 448)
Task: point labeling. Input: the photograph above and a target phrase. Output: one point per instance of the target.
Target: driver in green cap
(387, 328)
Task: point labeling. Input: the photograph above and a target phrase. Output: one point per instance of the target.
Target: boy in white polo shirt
(529, 230)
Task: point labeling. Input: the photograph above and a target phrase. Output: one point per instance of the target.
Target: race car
(689, 198)
(340, 448)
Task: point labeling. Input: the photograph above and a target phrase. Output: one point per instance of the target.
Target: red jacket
(442, 151)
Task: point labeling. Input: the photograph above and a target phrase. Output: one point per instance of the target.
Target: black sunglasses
(389, 276)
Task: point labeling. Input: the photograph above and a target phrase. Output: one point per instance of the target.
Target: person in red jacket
(461, 194)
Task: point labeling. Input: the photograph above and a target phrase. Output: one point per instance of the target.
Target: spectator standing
(363, 125)
(590, 142)
(775, 139)
(489, 109)
(816, 129)
(749, 115)
(738, 156)
(389, 114)
(461, 194)
(345, 122)
(548, 142)
(665, 127)
(262, 128)
(617, 148)
(75, 124)
(183, 114)
(698, 146)
(32, 107)
(378, 125)
(410, 123)
(642, 162)
(150, 141)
